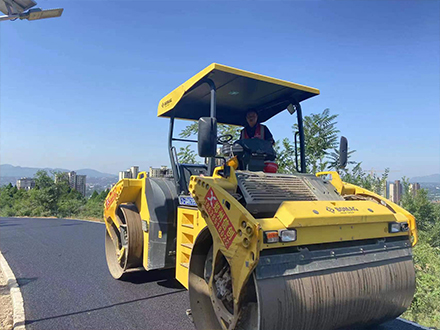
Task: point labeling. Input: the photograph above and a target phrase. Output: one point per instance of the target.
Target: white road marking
(17, 298)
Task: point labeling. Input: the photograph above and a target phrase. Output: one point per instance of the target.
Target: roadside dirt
(6, 322)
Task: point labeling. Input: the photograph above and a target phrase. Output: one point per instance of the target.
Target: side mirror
(343, 152)
(207, 137)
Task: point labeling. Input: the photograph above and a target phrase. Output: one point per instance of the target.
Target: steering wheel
(224, 138)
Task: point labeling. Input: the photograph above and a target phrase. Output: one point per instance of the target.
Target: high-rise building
(77, 182)
(72, 179)
(81, 184)
(163, 171)
(391, 192)
(134, 172)
(25, 183)
(413, 188)
(398, 190)
(124, 175)
(395, 191)
(131, 173)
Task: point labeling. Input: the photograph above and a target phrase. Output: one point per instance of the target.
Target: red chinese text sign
(219, 218)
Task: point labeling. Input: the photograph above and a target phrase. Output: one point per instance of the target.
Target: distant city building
(134, 172)
(395, 191)
(131, 173)
(413, 188)
(391, 192)
(81, 184)
(77, 182)
(163, 171)
(26, 183)
(124, 175)
(398, 184)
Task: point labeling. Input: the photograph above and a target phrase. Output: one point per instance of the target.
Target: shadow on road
(71, 224)
(101, 308)
(8, 224)
(22, 281)
(397, 324)
(164, 278)
(171, 283)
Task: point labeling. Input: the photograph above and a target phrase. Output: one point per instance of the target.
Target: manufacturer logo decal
(166, 103)
(219, 218)
(342, 209)
(330, 209)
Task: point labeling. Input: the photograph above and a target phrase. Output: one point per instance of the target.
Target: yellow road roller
(260, 250)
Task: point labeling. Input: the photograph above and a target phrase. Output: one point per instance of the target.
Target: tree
(103, 194)
(50, 198)
(320, 136)
(419, 206)
(7, 194)
(369, 181)
(187, 156)
(43, 180)
(333, 160)
(69, 207)
(45, 194)
(321, 143)
(285, 156)
(60, 176)
(222, 129)
(425, 308)
(94, 195)
(190, 130)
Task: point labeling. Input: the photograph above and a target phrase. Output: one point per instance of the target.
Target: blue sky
(81, 91)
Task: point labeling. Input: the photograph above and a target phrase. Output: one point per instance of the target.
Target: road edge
(55, 218)
(17, 298)
(413, 323)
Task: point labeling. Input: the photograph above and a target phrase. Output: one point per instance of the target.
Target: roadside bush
(50, 199)
(425, 308)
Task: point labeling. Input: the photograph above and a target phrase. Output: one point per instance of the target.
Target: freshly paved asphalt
(61, 269)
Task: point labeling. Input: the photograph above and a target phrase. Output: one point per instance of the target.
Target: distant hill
(433, 178)
(94, 173)
(7, 170)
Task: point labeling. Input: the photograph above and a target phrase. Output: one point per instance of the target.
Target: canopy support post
(213, 114)
(302, 151)
(172, 160)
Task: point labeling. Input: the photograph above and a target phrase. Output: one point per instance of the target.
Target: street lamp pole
(22, 10)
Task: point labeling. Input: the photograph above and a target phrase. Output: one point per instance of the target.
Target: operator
(255, 130)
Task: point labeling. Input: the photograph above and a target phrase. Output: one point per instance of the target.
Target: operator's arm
(242, 134)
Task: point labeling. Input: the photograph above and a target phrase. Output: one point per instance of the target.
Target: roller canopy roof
(237, 92)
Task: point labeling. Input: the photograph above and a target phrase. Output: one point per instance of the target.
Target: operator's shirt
(250, 131)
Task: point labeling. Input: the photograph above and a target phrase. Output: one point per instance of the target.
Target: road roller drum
(335, 288)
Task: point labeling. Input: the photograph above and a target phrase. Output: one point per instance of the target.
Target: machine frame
(221, 246)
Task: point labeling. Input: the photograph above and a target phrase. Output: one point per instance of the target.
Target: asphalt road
(61, 269)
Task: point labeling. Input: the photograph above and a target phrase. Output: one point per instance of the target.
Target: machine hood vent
(263, 193)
